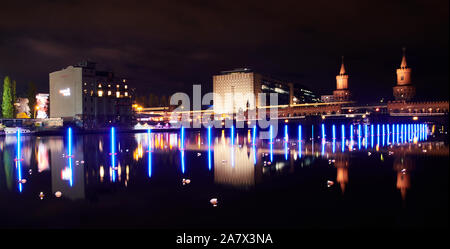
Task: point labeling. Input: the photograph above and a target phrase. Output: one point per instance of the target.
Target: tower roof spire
(342, 72)
(404, 65)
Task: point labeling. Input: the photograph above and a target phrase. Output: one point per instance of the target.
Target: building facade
(92, 97)
(404, 90)
(237, 90)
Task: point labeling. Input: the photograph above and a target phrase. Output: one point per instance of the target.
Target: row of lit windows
(100, 93)
(100, 85)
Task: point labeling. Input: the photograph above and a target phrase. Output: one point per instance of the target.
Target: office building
(90, 97)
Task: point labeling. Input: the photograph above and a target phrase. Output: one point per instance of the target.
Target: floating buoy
(199, 154)
(82, 162)
(23, 181)
(368, 153)
(41, 195)
(186, 181)
(403, 171)
(214, 202)
(58, 194)
(269, 163)
(30, 171)
(330, 183)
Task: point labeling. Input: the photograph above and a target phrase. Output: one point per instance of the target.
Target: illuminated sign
(65, 92)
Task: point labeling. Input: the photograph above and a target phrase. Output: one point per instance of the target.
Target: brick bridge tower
(404, 90)
(341, 93)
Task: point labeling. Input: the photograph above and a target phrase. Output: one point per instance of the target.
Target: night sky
(166, 47)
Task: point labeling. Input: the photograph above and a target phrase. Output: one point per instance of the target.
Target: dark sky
(168, 46)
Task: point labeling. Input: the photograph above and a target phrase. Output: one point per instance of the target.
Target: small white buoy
(23, 181)
(199, 154)
(41, 195)
(58, 194)
(30, 171)
(368, 153)
(269, 163)
(330, 183)
(186, 181)
(214, 202)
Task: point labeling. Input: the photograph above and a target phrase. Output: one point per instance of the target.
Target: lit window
(126, 94)
(109, 85)
(99, 85)
(109, 93)
(100, 93)
(126, 87)
(117, 86)
(118, 94)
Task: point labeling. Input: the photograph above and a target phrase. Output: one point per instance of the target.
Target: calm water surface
(136, 180)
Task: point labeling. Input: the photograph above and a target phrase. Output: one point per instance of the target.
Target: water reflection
(240, 160)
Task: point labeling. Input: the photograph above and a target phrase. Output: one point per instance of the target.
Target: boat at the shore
(13, 130)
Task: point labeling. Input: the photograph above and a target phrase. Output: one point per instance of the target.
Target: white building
(237, 90)
(95, 97)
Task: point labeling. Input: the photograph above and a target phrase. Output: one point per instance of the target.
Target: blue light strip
(69, 131)
(366, 136)
(113, 151)
(383, 132)
(343, 137)
(209, 147)
(300, 141)
(271, 143)
(19, 160)
(351, 137)
(149, 138)
(323, 132)
(334, 137)
(359, 136)
(378, 134)
(371, 136)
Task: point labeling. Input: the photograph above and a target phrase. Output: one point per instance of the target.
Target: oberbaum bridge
(341, 107)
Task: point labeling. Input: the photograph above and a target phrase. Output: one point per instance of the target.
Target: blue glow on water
(232, 135)
(209, 147)
(182, 162)
(323, 132)
(359, 136)
(271, 142)
(366, 136)
(312, 139)
(343, 138)
(393, 134)
(378, 134)
(254, 144)
(371, 136)
(351, 137)
(401, 133)
(383, 131)
(149, 141)
(69, 154)
(397, 134)
(286, 140)
(409, 133)
(19, 160)
(182, 138)
(254, 135)
(113, 157)
(334, 137)
(300, 141)
(426, 131)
